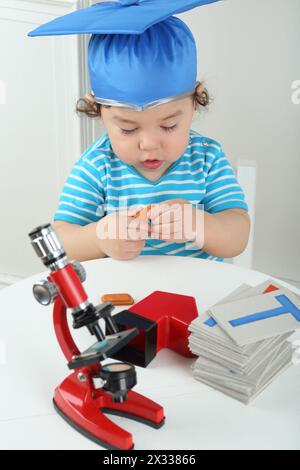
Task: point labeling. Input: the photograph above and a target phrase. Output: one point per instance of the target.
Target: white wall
(248, 53)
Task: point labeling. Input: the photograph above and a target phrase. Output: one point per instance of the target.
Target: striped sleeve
(82, 198)
(222, 188)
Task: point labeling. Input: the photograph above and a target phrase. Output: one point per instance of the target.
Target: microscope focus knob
(80, 270)
(44, 292)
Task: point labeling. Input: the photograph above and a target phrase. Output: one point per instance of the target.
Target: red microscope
(92, 390)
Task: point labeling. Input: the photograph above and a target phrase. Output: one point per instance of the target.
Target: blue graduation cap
(139, 55)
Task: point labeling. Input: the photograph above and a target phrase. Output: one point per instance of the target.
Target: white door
(40, 134)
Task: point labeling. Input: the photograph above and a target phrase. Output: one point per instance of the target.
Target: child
(144, 90)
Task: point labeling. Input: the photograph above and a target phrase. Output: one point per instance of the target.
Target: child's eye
(170, 129)
(166, 129)
(126, 131)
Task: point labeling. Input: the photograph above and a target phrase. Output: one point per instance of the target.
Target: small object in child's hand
(142, 214)
(118, 299)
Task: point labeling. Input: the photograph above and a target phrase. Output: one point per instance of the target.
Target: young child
(144, 90)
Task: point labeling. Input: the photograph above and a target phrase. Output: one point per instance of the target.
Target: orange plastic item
(118, 299)
(143, 213)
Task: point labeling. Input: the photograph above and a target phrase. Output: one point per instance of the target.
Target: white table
(197, 417)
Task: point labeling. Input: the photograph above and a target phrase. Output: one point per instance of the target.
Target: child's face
(150, 136)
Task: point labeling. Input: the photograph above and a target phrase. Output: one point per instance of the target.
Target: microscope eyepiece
(38, 229)
(46, 244)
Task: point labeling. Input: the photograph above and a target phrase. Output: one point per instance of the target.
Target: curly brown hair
(90, 108)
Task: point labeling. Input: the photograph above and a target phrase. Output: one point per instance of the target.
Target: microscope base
(83, 407)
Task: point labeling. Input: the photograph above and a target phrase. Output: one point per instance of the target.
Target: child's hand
(177, 221)
(121, 236)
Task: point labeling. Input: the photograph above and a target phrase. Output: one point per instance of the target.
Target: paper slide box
(256, 318)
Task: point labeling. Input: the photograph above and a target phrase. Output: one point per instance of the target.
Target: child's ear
(91, 101)
(201, 95)
(200, 89)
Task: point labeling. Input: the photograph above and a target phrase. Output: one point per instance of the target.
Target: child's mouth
(152, 164)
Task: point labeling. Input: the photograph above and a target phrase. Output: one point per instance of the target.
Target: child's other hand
(121, 236)
(177, 221)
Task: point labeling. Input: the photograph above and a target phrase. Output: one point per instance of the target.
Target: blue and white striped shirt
(100, 183)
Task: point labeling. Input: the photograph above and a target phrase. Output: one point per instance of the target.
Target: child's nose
(149, 143)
